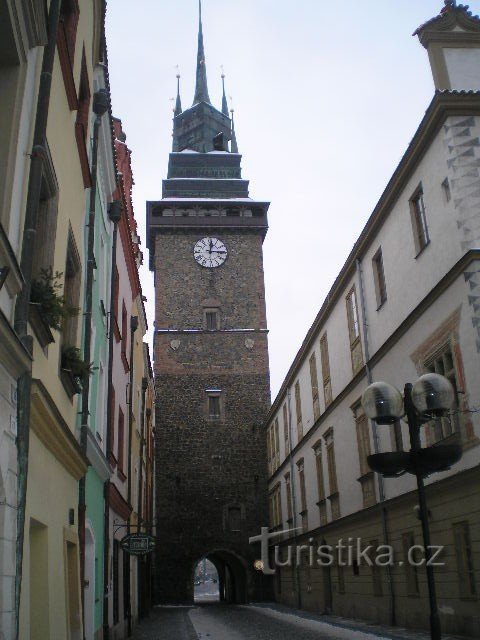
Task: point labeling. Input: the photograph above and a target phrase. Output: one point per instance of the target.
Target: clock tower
(205, 237)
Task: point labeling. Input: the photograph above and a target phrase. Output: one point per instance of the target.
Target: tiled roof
(448, 8)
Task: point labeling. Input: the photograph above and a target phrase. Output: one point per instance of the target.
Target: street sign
(138, 544)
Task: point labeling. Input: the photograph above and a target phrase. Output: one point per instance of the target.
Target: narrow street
(269, 621)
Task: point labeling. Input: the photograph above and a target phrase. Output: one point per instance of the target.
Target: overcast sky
(327, 96)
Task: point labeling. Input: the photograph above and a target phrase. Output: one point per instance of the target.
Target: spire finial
(201, 88)
(178, 104)
(224, 97)
(233, 144)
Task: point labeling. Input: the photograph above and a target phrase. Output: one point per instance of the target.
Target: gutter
(140, 565)
(22, 304)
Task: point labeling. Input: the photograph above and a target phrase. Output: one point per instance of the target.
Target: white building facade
(406, 302)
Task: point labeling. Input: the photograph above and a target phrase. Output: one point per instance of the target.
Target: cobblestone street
(259, 622)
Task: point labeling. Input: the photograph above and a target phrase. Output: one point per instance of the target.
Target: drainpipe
(133, 328)
(100, 106)
(140, 492)
(381, 484)
(21, 308)
(294, 499)
(114, 213)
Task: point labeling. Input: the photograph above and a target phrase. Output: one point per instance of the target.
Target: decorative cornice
(54, 433)
(450, 18)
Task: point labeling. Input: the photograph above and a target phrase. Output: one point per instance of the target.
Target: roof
(448, 18)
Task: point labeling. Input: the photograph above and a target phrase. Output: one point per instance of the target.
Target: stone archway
(232, 575)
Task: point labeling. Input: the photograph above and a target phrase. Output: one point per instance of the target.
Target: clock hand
(211, 245)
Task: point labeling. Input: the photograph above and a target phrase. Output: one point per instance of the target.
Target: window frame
(379, 278)
(214, 393)
(354, 332)
(418, 217)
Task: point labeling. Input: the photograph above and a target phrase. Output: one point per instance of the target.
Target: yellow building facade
(50, 605)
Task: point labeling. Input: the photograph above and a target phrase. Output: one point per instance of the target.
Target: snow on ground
(315, 625)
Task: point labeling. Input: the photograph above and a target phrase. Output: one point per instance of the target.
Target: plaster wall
(48, 507)
(463, 68)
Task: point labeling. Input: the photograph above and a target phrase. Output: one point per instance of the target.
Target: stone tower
(211, 357)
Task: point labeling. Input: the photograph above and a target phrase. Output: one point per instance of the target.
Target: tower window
(211, 319)
(214, 404)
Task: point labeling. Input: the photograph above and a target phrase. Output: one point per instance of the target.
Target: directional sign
(138, 544)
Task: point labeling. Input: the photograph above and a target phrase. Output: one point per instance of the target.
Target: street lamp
(430, 397)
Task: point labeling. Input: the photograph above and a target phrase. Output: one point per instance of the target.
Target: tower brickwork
(211, 359)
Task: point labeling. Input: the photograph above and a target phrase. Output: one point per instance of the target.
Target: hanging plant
(46, 294)
(73, 363)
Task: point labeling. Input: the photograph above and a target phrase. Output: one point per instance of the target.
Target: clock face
(210, 252)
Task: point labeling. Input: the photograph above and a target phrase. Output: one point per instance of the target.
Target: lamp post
(430, 397)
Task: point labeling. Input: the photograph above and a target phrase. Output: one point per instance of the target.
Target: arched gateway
(211, 357)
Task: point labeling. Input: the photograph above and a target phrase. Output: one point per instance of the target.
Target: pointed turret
(201, 88)
(233, 144)
(224, 98)
(178, 104)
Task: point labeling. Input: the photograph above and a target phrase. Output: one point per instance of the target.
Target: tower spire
(201, 88)
(178, 104)
(224, 98)
(233, 144)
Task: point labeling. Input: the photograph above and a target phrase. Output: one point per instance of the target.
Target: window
(286, 435)
(47, 220)
(408, 541)
(327, 386)
(111, 428)
(419, 221)
(121, 443)
(67, 32)
(234, 518)
(379, 278)
(464, 553)
(298, 407)
(214, 405)
(71, 291)
(124, 336)
(320, 484)
(443, 363)
(273, 446)
(363, 443)
(303, 494)
(314, 383)
(332, 474)
(447, 194)
(211, 319)
(81, 124)
(288, 488)
(354, 330)
(276, 507)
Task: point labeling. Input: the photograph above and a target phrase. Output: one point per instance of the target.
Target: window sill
(382, 304)
(70, 384)
(321, 502)
(332, 496)
(121, 475)
(126, 366)
(112, 459)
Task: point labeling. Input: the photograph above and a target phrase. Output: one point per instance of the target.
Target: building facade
(24, 32)
(211, 358)
(404, 303)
